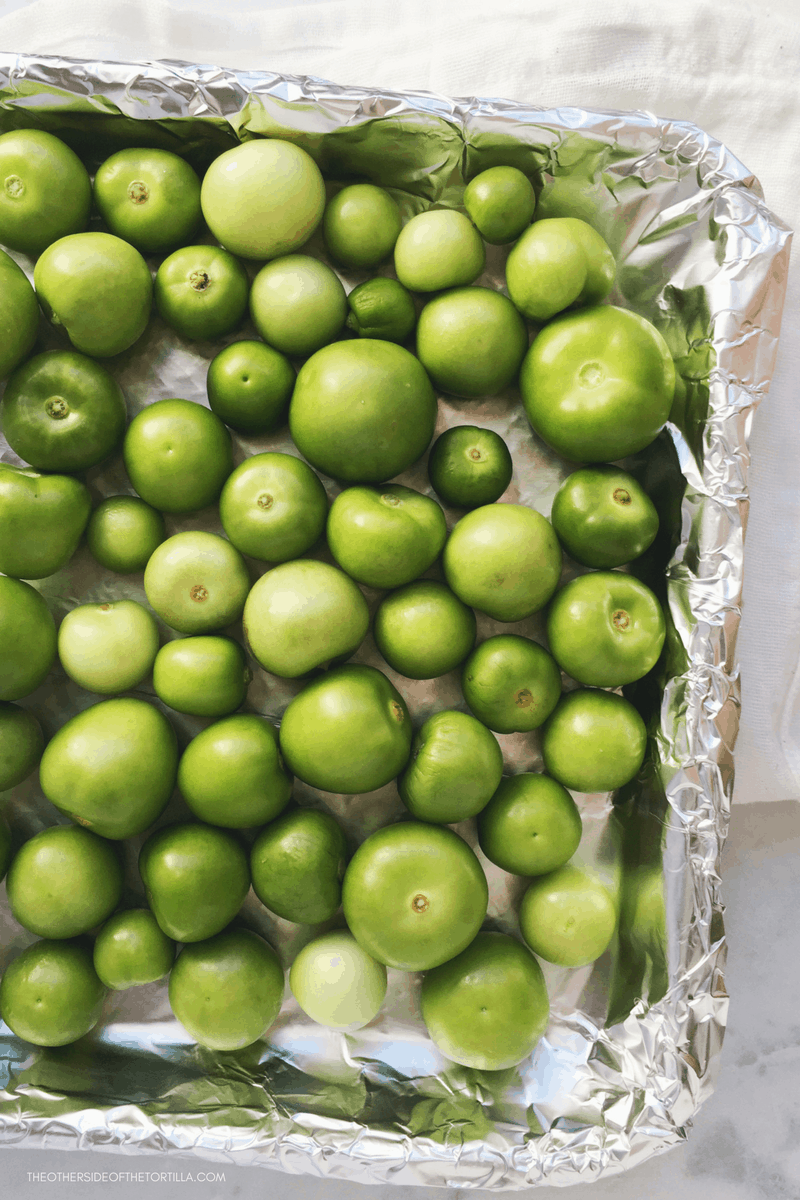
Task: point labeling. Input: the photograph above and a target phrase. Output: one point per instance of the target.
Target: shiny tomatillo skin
(606, 629)
(42, 518)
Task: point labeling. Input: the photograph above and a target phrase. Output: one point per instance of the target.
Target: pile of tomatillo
(355, 376)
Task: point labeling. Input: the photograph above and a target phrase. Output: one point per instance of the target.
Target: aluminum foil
(633, 1044)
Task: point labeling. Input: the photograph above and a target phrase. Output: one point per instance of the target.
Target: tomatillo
(438, 249)
(606, 629)
(123, 532)
(594, 742)
(471, 341)
(568, 917)
(385, 536)
(304, 614)
(27, 639)
(50, 994)
(381, 308)
(131, 950)
(298, 304)
(414, 895)
(112, 767)
(42, 518)
(196, 878)
(232, 774)
(361, 224)
(487, 1007)
(19, 315)
(336, 982)
(362, 411)
(201, 292)
(511, 683)
(263, 198)
(108, 647)
(227, 990)
(501, 202)
(597, 385)
(423, 630)
(21, 746)
(197, 582)
(151, 198)
(558, 262)
(202, 676)
(348, 732)
(454, 769)
(530, 826)
(603, 517)
(297, 864)
(249, 387)
(98, 288)
(469, 466)
(504, 560)
(63, 411)
(273, 507)
(178, 454)
(64, 881)
(45, 192)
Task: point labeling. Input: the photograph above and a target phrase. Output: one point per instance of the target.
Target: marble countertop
(745, 1144)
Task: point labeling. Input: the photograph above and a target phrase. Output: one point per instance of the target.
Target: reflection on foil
(633, 1044)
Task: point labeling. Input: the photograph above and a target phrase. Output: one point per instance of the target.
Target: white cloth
(733, 69)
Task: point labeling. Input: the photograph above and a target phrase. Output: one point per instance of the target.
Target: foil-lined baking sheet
(633, 1044)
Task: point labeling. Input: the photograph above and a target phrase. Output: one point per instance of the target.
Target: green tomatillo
(594, 741)
(131, 950)
(151, 198)
(471, 341)
(112, 767)
(50, 994)
(98, 288)
(178, 455)
(64, 881)
(511, 683)
(297, 864)
(42, 518)
(558, 262)
(606, 628)
(501, 202)
(304, 614)
(19, 315)
(232, 774)
(273, 507)
(361, 224)
(454, 770)
(504, 560)
(381, 308)
(597, 385)
(45, 192)
(414, 895)
(385, 536)
(263, 198)
(348, 731)
(487, 1007)
(201, 292)
(196, 878)
(362, 411)
(63, 411)
(603, 517)
(438, 249)
(109, 647)
(21, 746)
(227, 990)
(27, 639)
